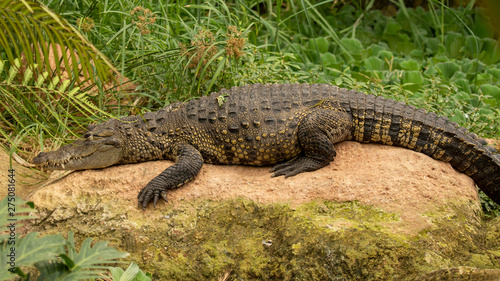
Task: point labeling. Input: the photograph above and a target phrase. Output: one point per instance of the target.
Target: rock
(376, 212)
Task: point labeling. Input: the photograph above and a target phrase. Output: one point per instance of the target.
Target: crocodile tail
(386, 121)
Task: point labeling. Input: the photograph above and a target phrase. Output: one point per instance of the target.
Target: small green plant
(54, 257)
(133, 273)
(490, 208)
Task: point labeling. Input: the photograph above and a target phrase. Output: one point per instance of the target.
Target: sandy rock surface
(393, 179)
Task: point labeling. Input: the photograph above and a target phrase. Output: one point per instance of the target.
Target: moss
(337, 216)
(320, 240)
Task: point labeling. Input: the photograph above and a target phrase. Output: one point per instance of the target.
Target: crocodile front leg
(189, 162)
(317, 132)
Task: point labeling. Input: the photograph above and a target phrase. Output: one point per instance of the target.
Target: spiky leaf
(92, 257)
(32, 31)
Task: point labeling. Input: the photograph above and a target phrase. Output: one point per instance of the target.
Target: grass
(439, 58)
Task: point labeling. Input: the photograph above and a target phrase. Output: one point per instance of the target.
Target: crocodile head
(101, 147)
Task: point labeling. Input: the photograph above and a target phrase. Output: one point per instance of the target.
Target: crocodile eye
(88, 135)
(112, 142)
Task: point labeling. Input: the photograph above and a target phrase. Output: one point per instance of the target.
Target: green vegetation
(133, 273)
(444, 60)
(54, 257)
(240, 239)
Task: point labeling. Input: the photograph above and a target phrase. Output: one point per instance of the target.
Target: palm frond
(42, 104)
(33, 32)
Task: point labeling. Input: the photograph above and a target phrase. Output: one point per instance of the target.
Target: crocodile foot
(151, 192)
(296, 166)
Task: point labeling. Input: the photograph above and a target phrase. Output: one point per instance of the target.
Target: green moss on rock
(245, 240)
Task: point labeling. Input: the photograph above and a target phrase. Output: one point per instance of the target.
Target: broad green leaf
(448, 69)
(484, 78)
(67, 261)
(41, 79)
(495, 72)
(130, 273)
(374, 63)
(329, 60)
(6, 275)
(491, 101)
(141, 276)
(404, 47)
(321, 43)
(491, 90)
(473, 66)
(458, 75)
(386, 55)
(10, 208)
(417, 53)
(52, 270)
(486, 112)
(28, 74)
(431, 71)
(454, 42)
(473, 45)
(489, 52)
(116, 273)
(31, 248)
(458, 116)
(463, 84)
(410, 65)
(92, 257)
(412, 80)
(432, 45)
(393, 28)
(353, 46)
(373, 50)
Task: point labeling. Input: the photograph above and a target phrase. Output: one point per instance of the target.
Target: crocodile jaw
(80, 155)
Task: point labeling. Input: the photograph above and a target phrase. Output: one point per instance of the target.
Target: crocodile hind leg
(317, 132)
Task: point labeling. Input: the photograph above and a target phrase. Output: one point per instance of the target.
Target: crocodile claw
(158, 194)
(150, 193)
(163, 195)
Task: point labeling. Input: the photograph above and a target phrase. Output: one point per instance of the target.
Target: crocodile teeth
(62, 165)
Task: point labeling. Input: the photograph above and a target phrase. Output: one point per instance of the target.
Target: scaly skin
(291, 126)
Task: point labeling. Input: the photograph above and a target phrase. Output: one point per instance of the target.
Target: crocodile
(291, 126)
